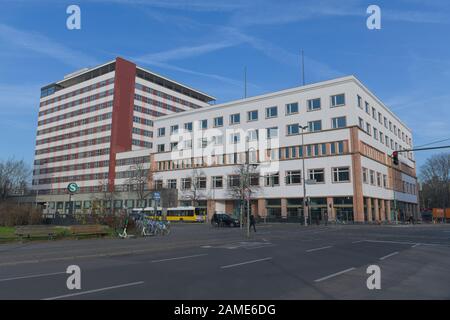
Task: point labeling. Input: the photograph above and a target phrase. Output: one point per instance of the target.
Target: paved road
(280, 261)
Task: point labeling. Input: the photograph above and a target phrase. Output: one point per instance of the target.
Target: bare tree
(13, 177)
(197, 190)
(108, 194)
(243, 183)
(435, 179)
(140, 181)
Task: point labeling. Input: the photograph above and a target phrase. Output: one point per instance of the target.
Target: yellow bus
(187, 214)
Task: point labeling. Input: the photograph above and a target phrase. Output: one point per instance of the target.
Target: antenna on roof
(245, 82)
(303, 67)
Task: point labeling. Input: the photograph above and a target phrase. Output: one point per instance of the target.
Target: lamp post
(304, 174)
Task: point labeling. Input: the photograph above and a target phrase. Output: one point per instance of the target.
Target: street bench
(88, 230)
(35, 231)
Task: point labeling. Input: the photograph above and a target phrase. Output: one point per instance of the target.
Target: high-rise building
(93, 114)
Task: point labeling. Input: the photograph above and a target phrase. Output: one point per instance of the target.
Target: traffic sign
(72, 187)
(156, 196)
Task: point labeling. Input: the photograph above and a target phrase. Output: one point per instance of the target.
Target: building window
(372, 177)
(364, 175)
(161, 147)
(217, 140)
(333, 147)
(235, 118)
(367, 107)
(361, 123)
(161, 132)
(217, 182)
(173, 146)
(272, 133)
(368, 129)
(315, 125)
(174, 129)
(293, 177)
(291, 108)
(234, 181)
(323, 150)
(252, 135)
(374, 113)
(204, 124)
(188, 126)
(292, 129)
(158, 184)
(338, 100)
(375, 133)
(186, 183)
(271, 112)
(340, 147)
(293, 152)
(272, 179)
(200, 182)
(314, 104)
(235, 138)
(172, 183)
(341, 174)
(339, 122)
(203, 143)
(378, 179)
(252, 115)
(318, 175)
(218, 122)
(359, 101)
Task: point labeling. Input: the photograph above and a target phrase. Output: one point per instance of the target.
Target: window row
(377, 116)
(78, 166)
(74, 145)
(77, 123)
(166, 96)
(75, 134)
(73, 156)
(77, 102)
(94, 86)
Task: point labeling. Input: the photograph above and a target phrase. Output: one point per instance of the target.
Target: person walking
(252, 223)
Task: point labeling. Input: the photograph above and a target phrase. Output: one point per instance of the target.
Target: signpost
(156, 198)
(72, 188)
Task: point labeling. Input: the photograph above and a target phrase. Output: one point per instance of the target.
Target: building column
(210, 208)
(377, 210)
(283, 208)
(262, 211)
(383, 210)
(330, 209)
(369, 209)
(388, 210)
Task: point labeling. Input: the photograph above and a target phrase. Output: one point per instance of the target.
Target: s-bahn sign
(72, 187)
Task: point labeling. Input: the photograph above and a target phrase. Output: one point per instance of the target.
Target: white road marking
(246, 262)
(263, 246)
(389, 255)
(317, 249)
(32, 276)
(416, 245)
(179, 258)
(334, 274)
(359, 241)
(95, 290)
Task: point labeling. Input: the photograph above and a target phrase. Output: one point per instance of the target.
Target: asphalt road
(280, 261)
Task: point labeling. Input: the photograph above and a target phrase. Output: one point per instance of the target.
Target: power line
(427, 144)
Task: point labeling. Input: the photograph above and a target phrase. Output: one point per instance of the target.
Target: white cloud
(35, 42)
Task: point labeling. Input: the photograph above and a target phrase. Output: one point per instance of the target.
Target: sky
(206, 44)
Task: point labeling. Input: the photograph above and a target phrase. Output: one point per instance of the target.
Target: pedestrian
(252, 223)
(326, 217)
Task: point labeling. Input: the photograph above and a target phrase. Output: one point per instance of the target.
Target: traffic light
(395, 158)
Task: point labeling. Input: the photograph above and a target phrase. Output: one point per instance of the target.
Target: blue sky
(206, 44)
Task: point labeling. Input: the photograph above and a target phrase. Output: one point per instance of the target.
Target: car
(224, 219)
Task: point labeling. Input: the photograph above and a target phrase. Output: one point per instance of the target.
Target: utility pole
(305, 215)
(245, 82)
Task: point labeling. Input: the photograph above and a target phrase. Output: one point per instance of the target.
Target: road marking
(95, 290)
(246, 262)
(317, 249)
(359, 241)
(179, 258)
(416, 245)
(389, 255)
(32, 276)
(334, 274)
(263, 246)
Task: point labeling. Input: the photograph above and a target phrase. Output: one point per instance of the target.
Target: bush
(13, 214)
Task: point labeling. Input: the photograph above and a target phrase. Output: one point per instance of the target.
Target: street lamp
(304, 174)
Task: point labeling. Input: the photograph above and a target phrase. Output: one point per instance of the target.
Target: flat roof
(298, 89)
(90, 73)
